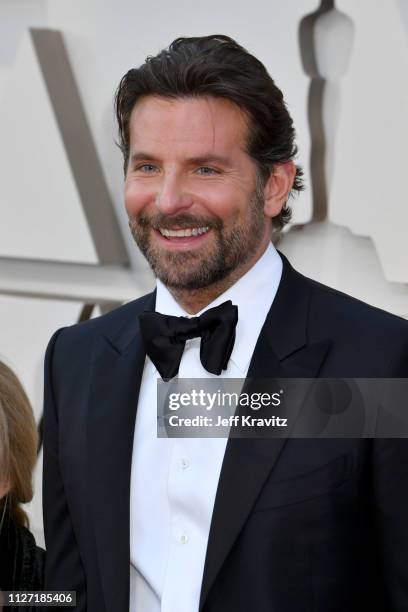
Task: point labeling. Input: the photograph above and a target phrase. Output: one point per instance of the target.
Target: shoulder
(79, 336)
(71, 350)
(369, 340)
(334, 308)
(23, 560)
(32, 562)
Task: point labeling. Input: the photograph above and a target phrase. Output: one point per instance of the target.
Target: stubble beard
(229, 251)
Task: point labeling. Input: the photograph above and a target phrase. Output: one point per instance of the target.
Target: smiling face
(196, 209)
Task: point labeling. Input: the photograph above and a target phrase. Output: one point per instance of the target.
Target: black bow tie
(165, 337)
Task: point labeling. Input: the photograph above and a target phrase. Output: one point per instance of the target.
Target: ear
(277, 188)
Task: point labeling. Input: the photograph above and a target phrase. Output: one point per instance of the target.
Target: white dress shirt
(174, 481)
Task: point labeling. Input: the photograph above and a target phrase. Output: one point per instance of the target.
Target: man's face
(191, 192)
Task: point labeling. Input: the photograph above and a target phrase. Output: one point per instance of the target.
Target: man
(147, 524)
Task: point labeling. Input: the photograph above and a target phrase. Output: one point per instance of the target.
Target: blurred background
(65, 250)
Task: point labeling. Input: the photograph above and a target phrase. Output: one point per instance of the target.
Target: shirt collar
(253, 293)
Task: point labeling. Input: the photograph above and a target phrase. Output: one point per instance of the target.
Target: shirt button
(183, 538)
(184, 463)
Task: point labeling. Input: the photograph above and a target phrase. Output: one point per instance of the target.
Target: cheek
(137, 197)
(225, 202)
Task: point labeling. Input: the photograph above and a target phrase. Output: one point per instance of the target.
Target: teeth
(182, 233)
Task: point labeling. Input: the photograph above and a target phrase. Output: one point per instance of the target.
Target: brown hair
(18, 444)
(217, 66)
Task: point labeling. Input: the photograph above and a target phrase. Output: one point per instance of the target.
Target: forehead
(191, 124)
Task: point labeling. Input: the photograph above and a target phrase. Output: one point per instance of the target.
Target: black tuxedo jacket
(298, 526)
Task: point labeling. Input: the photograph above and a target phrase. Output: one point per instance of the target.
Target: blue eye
(147, 168)
(205, 170)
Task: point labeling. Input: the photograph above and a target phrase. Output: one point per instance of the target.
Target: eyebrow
(142, 156)
(201, 159)
(210, 158)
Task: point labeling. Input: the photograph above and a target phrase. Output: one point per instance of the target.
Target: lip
(186, 243)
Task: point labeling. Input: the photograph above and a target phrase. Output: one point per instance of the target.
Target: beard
(230, 248)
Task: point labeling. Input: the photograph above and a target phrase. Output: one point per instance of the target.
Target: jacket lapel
(282, 351)
(117, 371)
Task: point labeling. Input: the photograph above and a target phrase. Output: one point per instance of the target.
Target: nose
(172, 196)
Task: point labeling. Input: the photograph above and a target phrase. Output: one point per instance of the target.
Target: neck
(194, 300)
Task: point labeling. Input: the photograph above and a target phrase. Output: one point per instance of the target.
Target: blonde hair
(18, 444)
